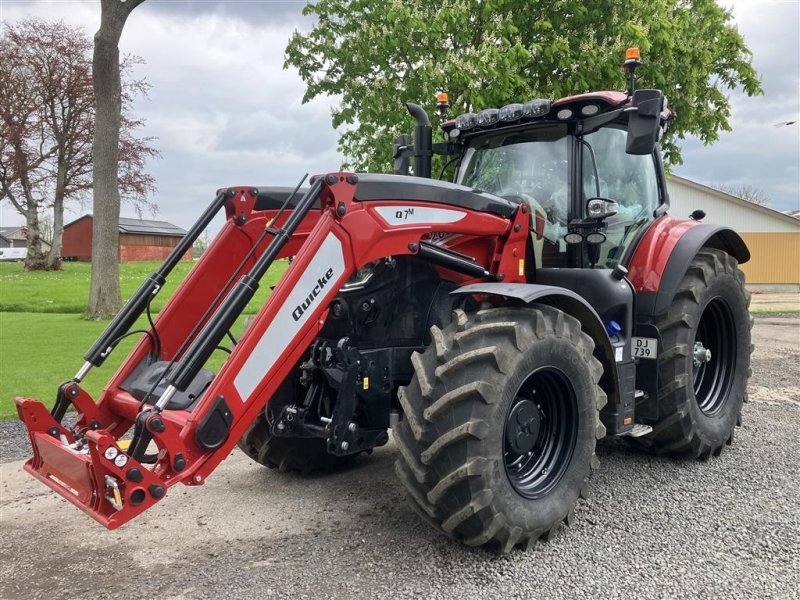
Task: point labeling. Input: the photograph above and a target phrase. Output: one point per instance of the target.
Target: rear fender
(572, 304)
(664, 254)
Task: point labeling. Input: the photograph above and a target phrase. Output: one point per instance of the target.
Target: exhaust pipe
(423, 141)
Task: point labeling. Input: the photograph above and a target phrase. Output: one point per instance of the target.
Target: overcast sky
(226, 112)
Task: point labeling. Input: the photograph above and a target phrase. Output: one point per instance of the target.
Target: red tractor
(499, 324)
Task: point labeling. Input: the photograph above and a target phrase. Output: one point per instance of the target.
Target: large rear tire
(500, 424)
(704, 362)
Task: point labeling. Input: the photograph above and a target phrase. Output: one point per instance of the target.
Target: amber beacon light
(632, 60)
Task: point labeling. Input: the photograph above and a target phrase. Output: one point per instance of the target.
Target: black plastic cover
(141, 381)
(377, 187)
(273, 197)
(213, 430)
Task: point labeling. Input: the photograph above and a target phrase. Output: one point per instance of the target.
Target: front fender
(572, 304)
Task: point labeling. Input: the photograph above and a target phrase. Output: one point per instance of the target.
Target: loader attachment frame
(331, 234)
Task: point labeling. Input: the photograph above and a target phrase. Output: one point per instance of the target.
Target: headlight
(490, 116)
(536, 108)
(511, 112)
(596, 237)
(466, 121)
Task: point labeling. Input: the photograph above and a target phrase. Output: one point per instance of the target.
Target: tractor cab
(587, 165)
(574, 166)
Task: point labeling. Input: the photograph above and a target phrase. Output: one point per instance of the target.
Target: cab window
(630, 180)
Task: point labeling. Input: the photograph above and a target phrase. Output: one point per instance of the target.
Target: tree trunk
(35, 260)
(53, 261)
(104, 295)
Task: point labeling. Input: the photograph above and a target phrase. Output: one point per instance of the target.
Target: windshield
(531, 166)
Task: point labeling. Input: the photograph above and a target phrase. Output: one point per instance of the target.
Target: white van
(13, 253)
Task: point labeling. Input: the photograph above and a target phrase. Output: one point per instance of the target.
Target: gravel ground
(653, 527)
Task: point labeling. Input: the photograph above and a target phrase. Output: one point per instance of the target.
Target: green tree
(378, 54)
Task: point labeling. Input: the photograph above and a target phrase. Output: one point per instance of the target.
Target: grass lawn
(40, 351)
(67, 291)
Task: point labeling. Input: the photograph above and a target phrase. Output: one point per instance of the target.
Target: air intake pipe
(423, 141)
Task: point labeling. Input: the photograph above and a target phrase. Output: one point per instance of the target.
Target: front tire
(704, 362)
(500, 425)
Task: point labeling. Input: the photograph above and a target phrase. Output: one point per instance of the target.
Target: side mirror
(644, 121)
(601, 208)
(402, 151)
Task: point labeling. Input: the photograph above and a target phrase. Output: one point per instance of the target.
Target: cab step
(638, 430)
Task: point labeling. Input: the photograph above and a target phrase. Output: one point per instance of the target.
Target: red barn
(138, 239)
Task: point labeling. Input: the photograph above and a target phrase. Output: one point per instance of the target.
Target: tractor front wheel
(500, 424)
(704, 362)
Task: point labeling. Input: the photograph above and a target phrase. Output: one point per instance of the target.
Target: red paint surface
(77, 240)
(136, 253)
(613, 98)
(653, 251)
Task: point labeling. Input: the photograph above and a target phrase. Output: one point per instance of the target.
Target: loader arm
(331, 234)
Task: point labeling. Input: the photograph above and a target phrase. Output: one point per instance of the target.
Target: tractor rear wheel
(500, 424)
(704, 362)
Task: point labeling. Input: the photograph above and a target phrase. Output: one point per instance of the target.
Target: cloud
(756, 152)
(226, 112)
(223, 108)
(256, 12)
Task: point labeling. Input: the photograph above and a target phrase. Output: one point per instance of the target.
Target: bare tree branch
(47, 113)
(745, 191)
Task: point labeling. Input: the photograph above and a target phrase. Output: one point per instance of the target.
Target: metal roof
(7, 232)
(127, 225)
(142, 226)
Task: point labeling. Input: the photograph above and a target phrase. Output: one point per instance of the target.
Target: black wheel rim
(540, 432)
(713, 374)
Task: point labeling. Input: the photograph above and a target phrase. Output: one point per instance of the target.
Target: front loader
(499, 325)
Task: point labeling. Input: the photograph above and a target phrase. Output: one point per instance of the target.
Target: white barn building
(772, 237)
